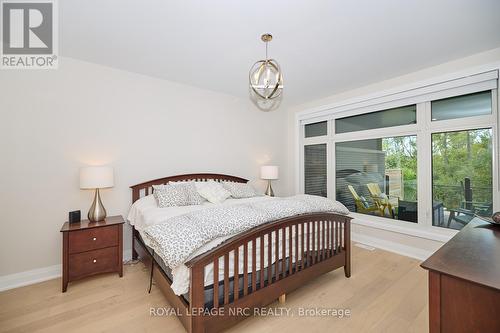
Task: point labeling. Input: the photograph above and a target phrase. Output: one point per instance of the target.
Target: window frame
(423, 129)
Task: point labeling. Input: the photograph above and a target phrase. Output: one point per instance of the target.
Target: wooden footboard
(326, 248)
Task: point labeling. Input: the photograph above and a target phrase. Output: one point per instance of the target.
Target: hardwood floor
(386, 293)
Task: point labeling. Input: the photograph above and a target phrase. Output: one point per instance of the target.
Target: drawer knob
(94, 239)
(95, 260)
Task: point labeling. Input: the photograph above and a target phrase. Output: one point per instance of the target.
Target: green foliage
(455, 156)
(460, 155)
(401, 153)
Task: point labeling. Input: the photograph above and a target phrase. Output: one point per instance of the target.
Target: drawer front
(91, 239)
(93, 262)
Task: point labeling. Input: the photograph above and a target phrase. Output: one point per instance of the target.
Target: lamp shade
(269, 172)
(96, 177)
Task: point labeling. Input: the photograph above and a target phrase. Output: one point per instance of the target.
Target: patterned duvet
(179, 237)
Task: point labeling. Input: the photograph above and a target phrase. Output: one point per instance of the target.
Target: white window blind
(315, 169)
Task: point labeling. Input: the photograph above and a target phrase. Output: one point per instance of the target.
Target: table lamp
(95, 178)
(269, 172)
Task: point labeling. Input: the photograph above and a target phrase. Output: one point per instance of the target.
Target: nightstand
(91, 248)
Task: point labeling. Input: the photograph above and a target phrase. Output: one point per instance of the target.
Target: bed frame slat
(216, 283)
(245, 269)
(261, 281)
(308, 237)
(296, 248)
(269, 258)
(236, 277)
(333, 238)
(320, 246)
(337, 247)
(302, 246)
(329, 241)
(277, 254)
(313, 250)
(323, 247)
(283, 252)
(226, 278)
(254, 265)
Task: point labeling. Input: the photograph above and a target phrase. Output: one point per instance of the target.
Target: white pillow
(136, 213)
(193, 197)
(240, 190)
(212, 191)
(170, 196)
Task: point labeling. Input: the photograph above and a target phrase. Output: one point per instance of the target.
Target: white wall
(414, 246)
(53, 122)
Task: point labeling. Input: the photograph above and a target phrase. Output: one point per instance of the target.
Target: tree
(460, 155)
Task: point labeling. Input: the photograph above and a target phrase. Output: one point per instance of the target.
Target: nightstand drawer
(93, 262)
(91, 239)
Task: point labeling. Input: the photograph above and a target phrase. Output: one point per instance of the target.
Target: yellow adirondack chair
(362, 206)
(380, 199)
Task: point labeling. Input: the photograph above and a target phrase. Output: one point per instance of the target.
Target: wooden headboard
(143, 189)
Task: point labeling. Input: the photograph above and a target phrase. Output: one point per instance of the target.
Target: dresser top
(473, 255)
(86, 224)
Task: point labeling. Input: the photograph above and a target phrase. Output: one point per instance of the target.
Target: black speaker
(74, 216)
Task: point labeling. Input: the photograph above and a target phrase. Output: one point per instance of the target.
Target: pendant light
(265, 77)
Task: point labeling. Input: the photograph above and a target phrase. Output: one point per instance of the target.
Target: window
(477, 104)
(378, 177)
(405, 115)
(315, 169)
(429, 159)
(316, 129)
(462, 176)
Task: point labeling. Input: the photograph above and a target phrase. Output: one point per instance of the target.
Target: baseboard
(398, 248)
(33, 276)
(25, 278)
(127, 255)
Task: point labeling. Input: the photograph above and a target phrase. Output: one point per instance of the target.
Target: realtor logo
(29, 32)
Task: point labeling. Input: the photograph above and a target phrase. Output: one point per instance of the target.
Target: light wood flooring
(386, 293)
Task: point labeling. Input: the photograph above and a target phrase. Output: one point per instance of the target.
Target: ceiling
(323, 47)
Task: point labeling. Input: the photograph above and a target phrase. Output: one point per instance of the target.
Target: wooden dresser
(464, 281)
(91, 248)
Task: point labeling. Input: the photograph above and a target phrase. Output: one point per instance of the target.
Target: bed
(250, 269)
